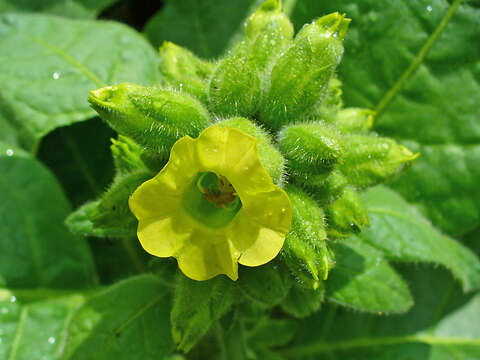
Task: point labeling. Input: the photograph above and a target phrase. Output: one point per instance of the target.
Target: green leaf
(362, 279)
(401, 233)
(264, 285)
(416, 64)
(71, 8)
(272, 332)
(76, 56)
(7, 133)
(129, 320)
(34, 330)
(83, 167)
(36, 250)
(196, 306)
(203, 26)
(302, 301)
(440, 326)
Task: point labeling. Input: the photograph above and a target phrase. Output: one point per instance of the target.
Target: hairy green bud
(154, 118)
(235, 84)
(184, 71)
(325, 188)
(305, 251)
(272, 160)
(355, 120)
(347, 215)
(311, 148)
(371, 160)
(331, 103)
(126, 155)
(301, 75)
(269, 32)
(112, 210)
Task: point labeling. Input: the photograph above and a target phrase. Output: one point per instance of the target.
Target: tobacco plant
(252, 190)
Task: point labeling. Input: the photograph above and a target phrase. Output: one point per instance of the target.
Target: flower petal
(163, 237)
(261, 227)
(206, 255)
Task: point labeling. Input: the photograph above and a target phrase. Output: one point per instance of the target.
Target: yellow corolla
(213, 206)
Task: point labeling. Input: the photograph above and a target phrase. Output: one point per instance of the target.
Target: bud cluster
(280, 89)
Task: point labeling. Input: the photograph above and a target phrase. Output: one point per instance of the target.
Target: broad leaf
(70, 8)
(34, 330)
(401, 233)
(129, 320)
(196, 306)
(36, 250)
(8, 134)
(79, 155)
(76, 56)
(416, 64)
(203, 26)
(362, 279)
(442, 325)
(264, 285)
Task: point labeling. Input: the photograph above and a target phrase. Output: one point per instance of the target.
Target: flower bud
(184, 71)
(126, 155)
(324, 188)
(355, 120)
(269, 32)
(154, 118)
(331, 103)
(303, 72)
(347, 215)
(113, 210)
(371, 160)
(234, 88)
(305, 251)
(310, 148)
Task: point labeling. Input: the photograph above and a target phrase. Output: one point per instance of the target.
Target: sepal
(153, 117)
(305, 250)
(372, 160)
(184, 71)
(301, 75)
(347, 215)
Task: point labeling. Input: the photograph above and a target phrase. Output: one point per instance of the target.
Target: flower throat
(211, 200)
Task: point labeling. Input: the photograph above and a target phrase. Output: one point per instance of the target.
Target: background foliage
(417, 63)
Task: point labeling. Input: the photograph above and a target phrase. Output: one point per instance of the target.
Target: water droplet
(13, 299)
(369, 156)
(9, 152)
(4, 311)
(51, 339)
(181, 87)
(429, 8)
(284, 210)
(56, 75)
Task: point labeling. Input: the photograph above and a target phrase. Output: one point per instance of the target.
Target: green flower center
(211, 200)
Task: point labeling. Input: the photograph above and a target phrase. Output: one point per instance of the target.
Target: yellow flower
(213, 206)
